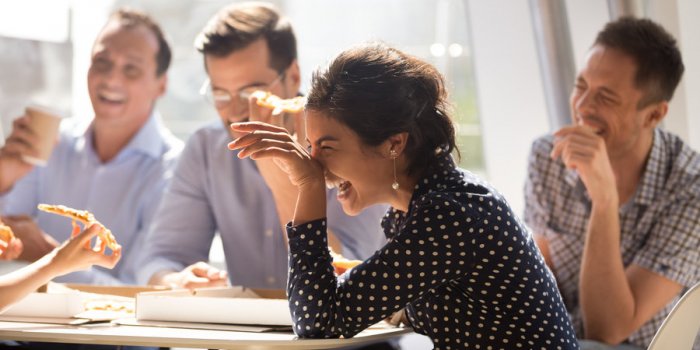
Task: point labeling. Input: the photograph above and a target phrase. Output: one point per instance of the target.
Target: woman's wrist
(316, 186)
(49, 266)
(311, 202)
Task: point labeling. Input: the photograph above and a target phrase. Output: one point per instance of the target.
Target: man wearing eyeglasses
(246, 47)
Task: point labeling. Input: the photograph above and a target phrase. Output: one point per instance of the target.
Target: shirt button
(268, 233)
(271, 280)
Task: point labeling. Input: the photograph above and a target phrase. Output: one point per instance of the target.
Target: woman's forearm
(15, 285)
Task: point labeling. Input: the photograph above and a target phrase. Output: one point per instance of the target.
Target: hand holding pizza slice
(104, 239)
(342, 264)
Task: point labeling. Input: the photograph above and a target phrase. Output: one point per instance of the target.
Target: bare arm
(283, 191)
(543, 245)
(71, 256)
(268, 142)
(285, 196)
(16, 285)
(615, 300)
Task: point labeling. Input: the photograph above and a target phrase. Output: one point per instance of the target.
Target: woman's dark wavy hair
(379, 91)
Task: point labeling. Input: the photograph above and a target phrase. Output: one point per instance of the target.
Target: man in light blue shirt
(117, 167)
(246, 47)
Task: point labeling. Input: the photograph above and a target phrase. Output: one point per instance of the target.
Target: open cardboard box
(124, 291)
(71, 304)
(230, 308)
(226, 305)
(56, 305)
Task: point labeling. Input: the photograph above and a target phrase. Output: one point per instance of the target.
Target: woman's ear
(397, 143)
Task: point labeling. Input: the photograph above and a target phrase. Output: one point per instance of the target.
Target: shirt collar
(147, 140)
(432, 180)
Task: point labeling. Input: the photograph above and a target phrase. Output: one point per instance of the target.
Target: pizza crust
(279, 105)
(104, 238)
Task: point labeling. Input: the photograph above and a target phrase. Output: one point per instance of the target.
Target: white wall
(689, 37)
(20, 19)
(586, 18)
(89, 16)
(666, 13)
(511, 97)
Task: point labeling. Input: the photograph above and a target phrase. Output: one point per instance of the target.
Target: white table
(109, 334)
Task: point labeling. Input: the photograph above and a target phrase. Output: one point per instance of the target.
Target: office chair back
(680, 328)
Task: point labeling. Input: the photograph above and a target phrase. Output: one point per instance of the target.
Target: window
(436, 31)
(35, 60)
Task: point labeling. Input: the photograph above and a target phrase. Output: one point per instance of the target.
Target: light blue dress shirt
(214, 191)
(122, 193)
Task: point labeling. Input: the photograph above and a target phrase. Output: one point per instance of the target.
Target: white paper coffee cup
(45, 123)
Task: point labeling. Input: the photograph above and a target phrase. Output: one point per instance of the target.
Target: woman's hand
(268, 141)
(75, 254)
(294, 123)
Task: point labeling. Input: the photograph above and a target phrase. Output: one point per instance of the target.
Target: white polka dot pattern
(459, 261)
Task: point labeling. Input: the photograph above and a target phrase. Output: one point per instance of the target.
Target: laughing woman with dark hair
(458, 259)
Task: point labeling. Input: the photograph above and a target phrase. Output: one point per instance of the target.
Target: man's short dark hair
(238, 25)
(130, 18)
(659, 63)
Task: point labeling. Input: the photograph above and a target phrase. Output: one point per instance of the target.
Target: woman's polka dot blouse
(460, 262)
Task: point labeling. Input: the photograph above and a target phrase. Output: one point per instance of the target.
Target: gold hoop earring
(395, 184)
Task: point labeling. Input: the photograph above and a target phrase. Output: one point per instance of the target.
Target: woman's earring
(395, 184)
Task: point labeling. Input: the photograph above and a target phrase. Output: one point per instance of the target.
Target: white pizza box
(71, 303)
(62, 304)
(223, 305)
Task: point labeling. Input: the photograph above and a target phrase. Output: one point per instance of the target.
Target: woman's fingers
(276, 152)
(108, 261)
(256, 125)
(258, 136)
(265, 144)
(88, 234)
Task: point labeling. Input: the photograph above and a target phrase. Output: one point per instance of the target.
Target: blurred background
(509, 64)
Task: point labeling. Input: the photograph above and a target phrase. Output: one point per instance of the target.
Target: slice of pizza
(104, 238)
(341, 264)
(279, 105)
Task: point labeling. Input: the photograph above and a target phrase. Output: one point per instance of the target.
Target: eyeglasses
(222, 98)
